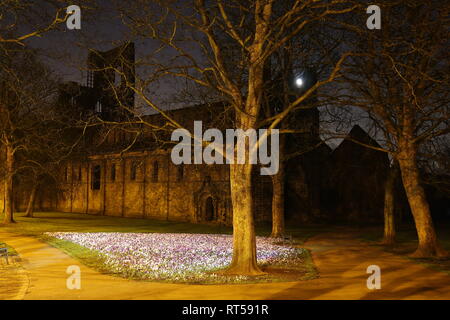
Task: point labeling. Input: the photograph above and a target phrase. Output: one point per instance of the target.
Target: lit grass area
(181, 257)
(407, 243)
(47, 222)
(75, 222)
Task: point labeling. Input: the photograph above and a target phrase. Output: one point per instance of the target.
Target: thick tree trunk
(244, 238)
(278, 203)
(31, 201)
(389, 207)
(9, 206)
(428, 245)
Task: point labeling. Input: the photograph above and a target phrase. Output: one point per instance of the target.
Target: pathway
(341, 260)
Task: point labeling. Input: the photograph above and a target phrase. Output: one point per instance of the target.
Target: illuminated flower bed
(174, 257)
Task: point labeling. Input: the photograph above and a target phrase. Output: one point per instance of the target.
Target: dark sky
(65, 51)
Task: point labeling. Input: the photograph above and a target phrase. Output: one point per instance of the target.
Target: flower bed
(175, 257)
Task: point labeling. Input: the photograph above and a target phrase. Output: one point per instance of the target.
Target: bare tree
(22, 20)
(399, 78)
(305, 58)
(27, 90)
(196, 41)
(389, 205)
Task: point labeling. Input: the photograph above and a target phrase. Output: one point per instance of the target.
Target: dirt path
(341, 260)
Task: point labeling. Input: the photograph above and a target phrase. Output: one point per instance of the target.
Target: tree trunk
(278, 203)
(389, 206)
(428, 245)
(9, 207)
(31, 201)
(244, 238)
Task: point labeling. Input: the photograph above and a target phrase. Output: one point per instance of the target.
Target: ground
(341, 257)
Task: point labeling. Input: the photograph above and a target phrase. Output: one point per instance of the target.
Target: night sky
(66, 51)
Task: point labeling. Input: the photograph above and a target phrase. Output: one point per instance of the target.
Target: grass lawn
(71, 222)
(407, 243)
(76, 222)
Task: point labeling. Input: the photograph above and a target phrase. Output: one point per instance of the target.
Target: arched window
(155, 172)
(90, 79)
(133, 171)
(98, 107)
(96, 178)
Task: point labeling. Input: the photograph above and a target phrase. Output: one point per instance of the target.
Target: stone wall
(145, 185)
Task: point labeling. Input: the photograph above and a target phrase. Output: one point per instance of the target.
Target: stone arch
(210, 203)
